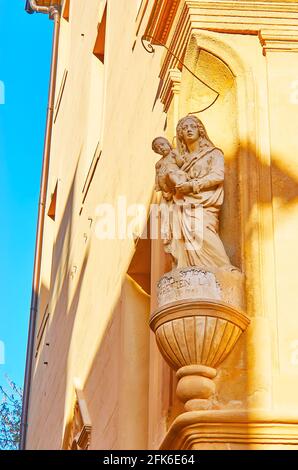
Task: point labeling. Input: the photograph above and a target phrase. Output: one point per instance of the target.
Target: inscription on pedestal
(188, 283)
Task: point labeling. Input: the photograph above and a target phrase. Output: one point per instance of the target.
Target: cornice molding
(281, 41)
(222, 15)
(221, 427)
(172, 22)
(242, 17)
(161, 20)
(246, 5)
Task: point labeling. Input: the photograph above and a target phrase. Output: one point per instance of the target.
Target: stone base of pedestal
(232, 430)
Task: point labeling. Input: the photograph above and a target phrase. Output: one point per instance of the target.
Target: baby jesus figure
(168, 173)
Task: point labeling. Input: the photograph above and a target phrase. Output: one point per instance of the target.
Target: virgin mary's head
(190, 128)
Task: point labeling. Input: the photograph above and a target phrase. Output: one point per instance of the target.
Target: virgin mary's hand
(185, 188)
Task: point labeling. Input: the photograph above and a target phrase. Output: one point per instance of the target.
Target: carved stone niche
(80, 433)
(197, 325)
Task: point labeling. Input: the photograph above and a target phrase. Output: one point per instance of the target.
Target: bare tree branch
(10, 415)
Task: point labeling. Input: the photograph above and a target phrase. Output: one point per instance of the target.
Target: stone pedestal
(197, 324)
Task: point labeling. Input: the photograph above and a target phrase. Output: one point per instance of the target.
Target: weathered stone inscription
(187, 283)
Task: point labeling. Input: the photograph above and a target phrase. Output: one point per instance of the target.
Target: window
(42, 329)
(138, 2)
(142, 7)
(99, 48)
(60, 94)
(52, 207)
(66, 8)
(95, 103)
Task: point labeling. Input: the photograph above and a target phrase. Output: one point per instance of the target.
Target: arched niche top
(218, 46)
(229, 123)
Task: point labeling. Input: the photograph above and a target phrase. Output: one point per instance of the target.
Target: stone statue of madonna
(195, 200)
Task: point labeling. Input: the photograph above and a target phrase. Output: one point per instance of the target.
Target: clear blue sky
(25, 53)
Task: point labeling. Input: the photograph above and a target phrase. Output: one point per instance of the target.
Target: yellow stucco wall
(84, 307)
(97, 336)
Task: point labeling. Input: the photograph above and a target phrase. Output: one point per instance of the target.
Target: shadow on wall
(105, 379)
(260, 185)
(50, 377)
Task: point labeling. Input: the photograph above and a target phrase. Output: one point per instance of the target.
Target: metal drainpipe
(54, 13)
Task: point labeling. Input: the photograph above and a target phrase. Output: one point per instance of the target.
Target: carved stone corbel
(81, 426)
(171, 90)
(199, 329)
